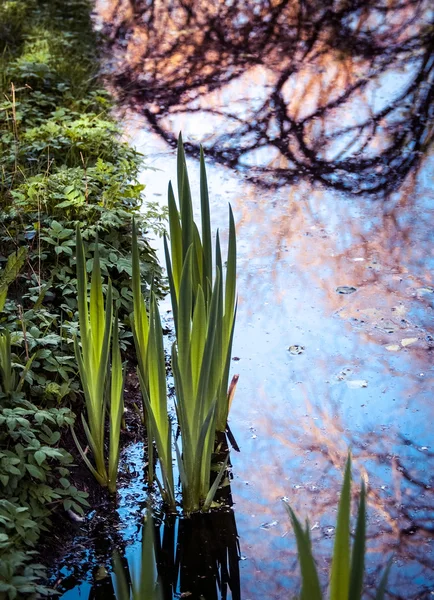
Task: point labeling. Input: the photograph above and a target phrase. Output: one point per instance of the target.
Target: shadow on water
(196, 557)
(308, 111)
(306, 81)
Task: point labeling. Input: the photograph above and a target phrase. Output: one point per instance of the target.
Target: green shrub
(18, 579)
(62, 163)
(33, 468)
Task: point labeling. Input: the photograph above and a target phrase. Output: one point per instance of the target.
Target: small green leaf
(40, 457)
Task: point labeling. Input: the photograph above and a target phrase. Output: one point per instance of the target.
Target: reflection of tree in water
(400, 480)
(312, 80)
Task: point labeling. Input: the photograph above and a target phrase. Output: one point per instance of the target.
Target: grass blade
(383, 583)
(311, 589)
(185, 205)
(116, 408)
(175, 242)
(340, 571)
(213, 489)
(358, 553)
(206, 222)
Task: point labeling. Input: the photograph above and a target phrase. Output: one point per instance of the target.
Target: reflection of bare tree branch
(323, 65)
(400, 478)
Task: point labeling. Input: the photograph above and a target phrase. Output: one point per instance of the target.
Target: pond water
(317, 124)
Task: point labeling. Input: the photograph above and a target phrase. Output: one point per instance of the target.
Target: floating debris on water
(408, 341)
(346, 289)
(342, 375)
(357, 383)
(296, 349)
(393, 348)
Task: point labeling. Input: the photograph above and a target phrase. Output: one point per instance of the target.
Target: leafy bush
(63, 163)
(18, 579)
(33, 469)
(34, 474)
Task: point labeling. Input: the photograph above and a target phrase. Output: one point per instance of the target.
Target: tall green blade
(383, 583)
(160, 433)
(82, 301)
(358, 553)
(148, 423)
(206, 221)
(205, 391)
(185, 205)
(122, 589)
(184, 316)
(173, 291)
(231, 275)
(218, 359)
(340, 571)
(116, 408)
(203, 451)
(198, 260)
(311, 589)
(224, 400)
(157, 368)
(198, 338)
(96, 312)
(102, 365)
(140, 316)
(175, 240)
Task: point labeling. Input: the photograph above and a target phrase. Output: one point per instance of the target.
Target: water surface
(316, 119)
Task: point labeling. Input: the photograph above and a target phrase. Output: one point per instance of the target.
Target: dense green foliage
(62, 164)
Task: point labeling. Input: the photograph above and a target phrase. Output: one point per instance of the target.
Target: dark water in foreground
(317, 120)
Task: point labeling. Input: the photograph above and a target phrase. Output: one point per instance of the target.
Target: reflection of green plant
(144, 584)
(347, 570)
(93, 360)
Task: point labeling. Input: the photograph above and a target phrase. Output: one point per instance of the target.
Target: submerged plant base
(197, 556)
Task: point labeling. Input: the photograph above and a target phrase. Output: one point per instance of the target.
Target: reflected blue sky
(365, 377)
